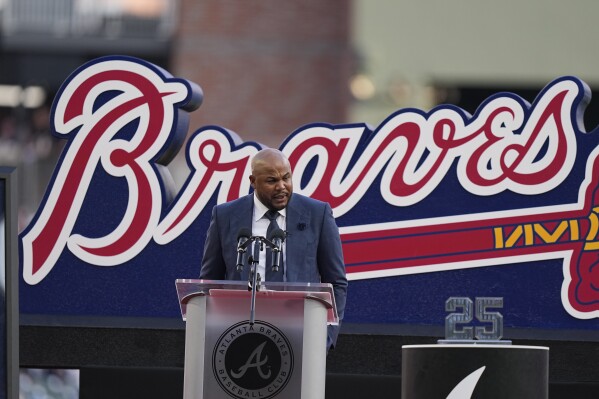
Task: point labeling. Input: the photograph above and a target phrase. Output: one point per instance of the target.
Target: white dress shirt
(259, 226)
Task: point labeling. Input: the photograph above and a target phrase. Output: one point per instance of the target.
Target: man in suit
(312, 248)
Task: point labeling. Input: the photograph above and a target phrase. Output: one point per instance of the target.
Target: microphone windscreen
(244, 232)
(277, 233)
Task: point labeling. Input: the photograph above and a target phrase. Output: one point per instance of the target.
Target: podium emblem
(253, 361)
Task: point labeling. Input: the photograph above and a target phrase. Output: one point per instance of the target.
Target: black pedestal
(481, 371)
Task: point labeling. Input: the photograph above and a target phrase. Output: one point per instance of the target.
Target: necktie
(270, 275)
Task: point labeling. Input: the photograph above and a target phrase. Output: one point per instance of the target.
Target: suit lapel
(297, 221)
(246, 207)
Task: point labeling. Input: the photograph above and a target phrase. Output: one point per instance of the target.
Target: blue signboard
(430, 205)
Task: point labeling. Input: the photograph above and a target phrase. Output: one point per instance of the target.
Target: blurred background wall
(421, 53)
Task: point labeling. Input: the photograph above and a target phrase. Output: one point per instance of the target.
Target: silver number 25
(453, 321)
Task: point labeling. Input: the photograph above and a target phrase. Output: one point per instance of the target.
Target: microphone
(243, 235)
(277, 237)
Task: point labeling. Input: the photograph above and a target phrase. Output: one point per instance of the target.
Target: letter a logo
(254, 361)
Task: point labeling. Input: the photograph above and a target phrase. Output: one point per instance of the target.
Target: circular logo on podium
(252, 361)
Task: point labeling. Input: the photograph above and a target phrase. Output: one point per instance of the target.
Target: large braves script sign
(423, 202)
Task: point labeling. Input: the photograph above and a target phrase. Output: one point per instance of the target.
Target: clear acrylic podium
(281, 355)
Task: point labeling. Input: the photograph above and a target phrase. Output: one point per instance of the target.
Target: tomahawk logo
(465, 388)
(126, 118)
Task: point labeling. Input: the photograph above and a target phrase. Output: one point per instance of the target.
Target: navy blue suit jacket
(313, 246)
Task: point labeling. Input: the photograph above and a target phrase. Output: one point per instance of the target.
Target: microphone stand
(254, 280)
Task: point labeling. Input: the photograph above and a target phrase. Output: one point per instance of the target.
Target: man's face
(272, 183)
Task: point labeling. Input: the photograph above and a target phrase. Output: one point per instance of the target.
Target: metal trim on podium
(279, 353)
